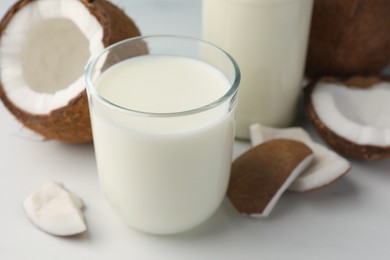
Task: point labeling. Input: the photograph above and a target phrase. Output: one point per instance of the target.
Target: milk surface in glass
(268, 39)
(163, 174)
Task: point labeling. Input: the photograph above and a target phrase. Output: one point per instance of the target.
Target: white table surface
(347, 220)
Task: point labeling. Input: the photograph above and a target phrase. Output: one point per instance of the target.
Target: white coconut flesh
(44, 51)
(55, 210)
(358, 115)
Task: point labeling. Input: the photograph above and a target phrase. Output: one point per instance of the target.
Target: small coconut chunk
(351, 115)
(327, 166)
(55, 210)
(261, 175)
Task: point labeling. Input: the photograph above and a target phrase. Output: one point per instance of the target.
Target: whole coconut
(349, 37)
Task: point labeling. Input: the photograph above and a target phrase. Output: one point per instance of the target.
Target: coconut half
(44, 48)
(352, 115)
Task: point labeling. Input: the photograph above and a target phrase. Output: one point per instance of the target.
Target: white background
(347, 220)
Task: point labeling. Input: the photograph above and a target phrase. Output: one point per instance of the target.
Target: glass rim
(226, 96)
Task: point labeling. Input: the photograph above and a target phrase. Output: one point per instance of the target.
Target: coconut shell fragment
(326, 168)
(261, 175)
(69, 122)
(351, 115)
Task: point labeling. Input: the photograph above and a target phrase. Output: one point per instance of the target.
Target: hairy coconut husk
(72, 123)
(349, 37)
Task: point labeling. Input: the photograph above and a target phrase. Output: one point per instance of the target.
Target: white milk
(268, 39)
(164, 175)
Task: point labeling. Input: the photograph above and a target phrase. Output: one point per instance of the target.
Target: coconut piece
(55, 210)
(351, 115)
(44, 48)
(260, 133)
(326, 168)
(348, 37)
(261, 175)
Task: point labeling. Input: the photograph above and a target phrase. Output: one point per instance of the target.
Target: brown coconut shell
(338, 143)
(71, 123)
(348, 37)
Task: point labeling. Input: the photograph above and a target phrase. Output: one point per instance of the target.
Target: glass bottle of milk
(268, 39)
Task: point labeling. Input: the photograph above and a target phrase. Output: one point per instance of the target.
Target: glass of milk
(268, 39)
(163, 127)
